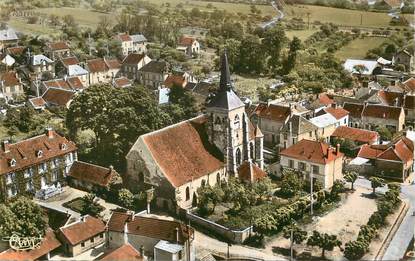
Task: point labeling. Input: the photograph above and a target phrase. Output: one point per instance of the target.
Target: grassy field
(82, 16)
(302, 34)
(34, 29)
(359, 47)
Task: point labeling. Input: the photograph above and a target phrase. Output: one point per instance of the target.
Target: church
(205, 150)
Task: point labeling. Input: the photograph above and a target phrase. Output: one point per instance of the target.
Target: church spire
(225, 73)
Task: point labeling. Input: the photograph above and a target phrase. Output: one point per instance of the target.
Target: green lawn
(34, 29)
(359, 47)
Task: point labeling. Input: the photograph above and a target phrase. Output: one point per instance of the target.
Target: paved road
(405, 232)
(279, 16)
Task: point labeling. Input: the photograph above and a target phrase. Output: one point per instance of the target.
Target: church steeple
(225, 98)
(225, 75)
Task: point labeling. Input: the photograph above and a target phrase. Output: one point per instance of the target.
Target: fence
(235, 236)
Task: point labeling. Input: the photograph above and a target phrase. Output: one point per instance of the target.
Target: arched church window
(251, 150)
(218, 178)
(238, 156)
(187, 193)
(237, 122)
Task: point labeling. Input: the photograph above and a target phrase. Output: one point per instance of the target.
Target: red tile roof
(91, 173)
(337, 113)
(401, 150)
(410, 84)
(122, 82)
(97, 65)
(391, 98)
(382, 112)
(184, 146)
(272, 112)
(49, 243)
(124, 253)
(57, 83)
(82, 230)
(58, 46)
(24, 152)
(354, 109)
(250, 172)
(393, 3)
(37, 102)
(58, 97)
(175, 80)
(18, 50)
(150, 227)
(124, 37)
(113, 63)
(133, 58)
(325, 99)
(312, 151)
(9, 79)
(355, 134)
(186, 40)
(69, 61)
(75, 83)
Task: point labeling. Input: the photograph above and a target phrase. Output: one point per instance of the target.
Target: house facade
(132, 63)
(42, 66)
(296, 129)
(189, 45)
(11, 85)
(30, 165)
(153, 74)
(314, 160)
(81, 235)
(102, 70)
(404, 58)
(58, 50)
(162, 240)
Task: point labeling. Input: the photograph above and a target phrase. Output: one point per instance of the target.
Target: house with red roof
(34, 163)
(159, 239)
(125, 252)
(132, 43)
(102, 70)
(57, 50)
(11, 85)
(81, 235)
(359, 136)
(132, 63)
(371, 116)
(91, 177)
(394, 160)
(189, 45)
(314, 160)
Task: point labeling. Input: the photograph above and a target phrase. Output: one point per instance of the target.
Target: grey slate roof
(8, 35)
(154, 67)
(225, 98)
(137, 38)
(299, 125)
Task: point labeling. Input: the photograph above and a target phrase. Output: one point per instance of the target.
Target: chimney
(49, 133)
(82, 218)
(6, 145)
(177, 235)
(334, 105)
(337, 149)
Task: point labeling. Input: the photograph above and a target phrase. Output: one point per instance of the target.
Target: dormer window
(64, 146)
(12, 163)
(39, 153)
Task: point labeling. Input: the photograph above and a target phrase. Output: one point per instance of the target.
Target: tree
(28, 216)
(209, 197)
(126, 198)
(262, 187)
(185, 100)
(360, 69)
(264, 224)
(384, 133)
(324, 241)
(376, 182)
(355, 250)
(90, 207)
(289, 63)
(273, 42)
(299, 235)
(351, 176)
(251, 56)
(291, 184)
(8, 221)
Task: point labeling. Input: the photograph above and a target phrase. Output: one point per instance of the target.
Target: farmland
(359, 47)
